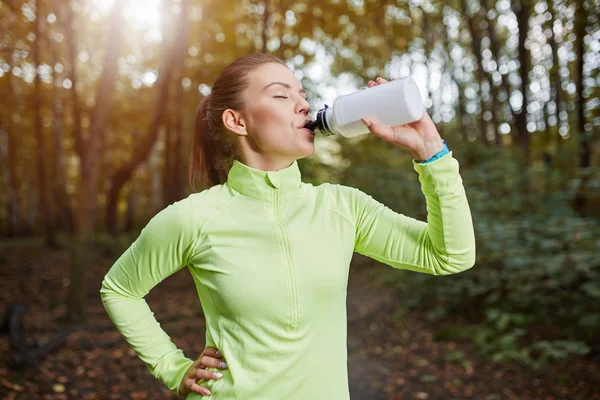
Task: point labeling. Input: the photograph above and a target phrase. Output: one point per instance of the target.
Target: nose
(302, 106)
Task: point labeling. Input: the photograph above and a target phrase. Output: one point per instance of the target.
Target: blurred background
(98, 101)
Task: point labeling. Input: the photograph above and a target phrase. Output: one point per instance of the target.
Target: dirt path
(392, 355)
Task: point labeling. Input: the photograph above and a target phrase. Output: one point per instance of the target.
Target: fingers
(398, 135)
(212, 362)
(202, 373)
(194, 387)
(379, 129)
(212, 352)
(206, 374)
(376, 82)
(210, 358)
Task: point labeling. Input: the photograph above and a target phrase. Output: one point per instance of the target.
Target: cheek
(272, 116)
(272, 129)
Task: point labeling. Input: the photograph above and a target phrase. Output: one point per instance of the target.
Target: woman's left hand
(421, 137)
(209, 358)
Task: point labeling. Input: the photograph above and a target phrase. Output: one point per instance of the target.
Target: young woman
(269, 254)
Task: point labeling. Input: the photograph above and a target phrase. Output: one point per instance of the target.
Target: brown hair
(213, 152)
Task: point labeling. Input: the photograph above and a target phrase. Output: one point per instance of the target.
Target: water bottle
(393, 103)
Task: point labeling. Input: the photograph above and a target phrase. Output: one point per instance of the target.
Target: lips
(305, 126)
(308, 131)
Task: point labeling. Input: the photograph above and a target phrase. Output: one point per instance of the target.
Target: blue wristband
(437, 155)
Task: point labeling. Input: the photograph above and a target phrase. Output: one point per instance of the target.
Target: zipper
(287, 251)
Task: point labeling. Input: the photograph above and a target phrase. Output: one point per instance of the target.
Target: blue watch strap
(437, 155)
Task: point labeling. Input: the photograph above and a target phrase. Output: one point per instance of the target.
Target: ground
(392, 353)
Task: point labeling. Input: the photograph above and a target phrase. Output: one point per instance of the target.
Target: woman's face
(270, 129)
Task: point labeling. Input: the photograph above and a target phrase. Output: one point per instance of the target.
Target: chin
(306, 152)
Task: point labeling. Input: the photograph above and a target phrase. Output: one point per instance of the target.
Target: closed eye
(280, 97)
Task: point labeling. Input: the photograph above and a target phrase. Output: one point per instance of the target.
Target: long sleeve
(444, 245)
(164, 246)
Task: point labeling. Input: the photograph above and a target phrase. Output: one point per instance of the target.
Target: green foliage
(454, 356)
(532, 296)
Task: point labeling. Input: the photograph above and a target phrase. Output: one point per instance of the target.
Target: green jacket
(269, 255)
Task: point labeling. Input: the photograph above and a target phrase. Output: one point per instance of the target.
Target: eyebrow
(284, 85)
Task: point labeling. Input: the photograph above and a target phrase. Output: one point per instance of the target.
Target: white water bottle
(393, 103)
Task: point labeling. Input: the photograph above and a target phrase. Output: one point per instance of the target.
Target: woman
(270, 254)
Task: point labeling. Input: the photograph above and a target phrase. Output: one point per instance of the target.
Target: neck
(266, 162)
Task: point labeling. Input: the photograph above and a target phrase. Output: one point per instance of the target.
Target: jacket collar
(260, 184)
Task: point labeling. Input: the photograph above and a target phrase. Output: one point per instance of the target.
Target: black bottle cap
(320, 122)
(311, 125)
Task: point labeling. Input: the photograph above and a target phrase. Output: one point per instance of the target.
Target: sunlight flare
(140, 14)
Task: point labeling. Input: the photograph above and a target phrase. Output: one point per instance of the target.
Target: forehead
(269, 73)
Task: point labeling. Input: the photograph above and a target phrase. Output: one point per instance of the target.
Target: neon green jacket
(269, 255)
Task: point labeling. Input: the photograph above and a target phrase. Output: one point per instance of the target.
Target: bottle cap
(321, 122)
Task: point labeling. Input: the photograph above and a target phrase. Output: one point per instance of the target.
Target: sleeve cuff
(440, 176)
(437, 155)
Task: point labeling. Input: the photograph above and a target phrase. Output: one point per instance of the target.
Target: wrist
(433, 151)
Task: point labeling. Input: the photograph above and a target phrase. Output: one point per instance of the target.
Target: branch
(11, 49)
(12, 4)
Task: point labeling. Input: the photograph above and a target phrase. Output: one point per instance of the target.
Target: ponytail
(212, 152)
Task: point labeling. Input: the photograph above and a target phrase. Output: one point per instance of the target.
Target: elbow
(455, 264)
(466, 265)
(107, 292)
(465, 262)
(104, 291)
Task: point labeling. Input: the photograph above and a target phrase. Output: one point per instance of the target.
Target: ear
(234, 121)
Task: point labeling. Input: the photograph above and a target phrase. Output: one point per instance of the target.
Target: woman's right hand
(210, 358)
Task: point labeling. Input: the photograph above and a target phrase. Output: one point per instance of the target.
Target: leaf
(58, 388)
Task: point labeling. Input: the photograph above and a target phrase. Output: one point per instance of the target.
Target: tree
(585, 142)
(44, 200)
(174, 51)
(88, 182)
(522, 10)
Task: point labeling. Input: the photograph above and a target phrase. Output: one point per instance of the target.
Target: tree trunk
(44, 200)
(88, 184)
(522, 11)
(172, 169)
(584, 140)
(130, 213)
(476, 48)
(71, 47)
(179, 176)
(547, 154)
(174, 53)
(14, 212)
(32, 207)
(555, 78)
(462, 113)
(495, 49)
(167, 170)
(63, 215)
(427, 50)
(265, 37)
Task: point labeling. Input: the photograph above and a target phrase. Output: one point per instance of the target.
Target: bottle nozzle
(320, 123)
(311, 125)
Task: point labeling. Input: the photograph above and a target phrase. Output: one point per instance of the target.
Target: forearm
(136, 322)
(450, 233)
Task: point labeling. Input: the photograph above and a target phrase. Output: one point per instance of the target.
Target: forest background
(98, 102)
